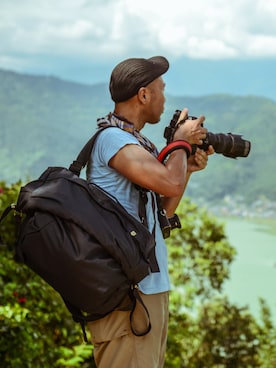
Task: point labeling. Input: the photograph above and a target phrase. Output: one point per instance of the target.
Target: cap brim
(161, 64)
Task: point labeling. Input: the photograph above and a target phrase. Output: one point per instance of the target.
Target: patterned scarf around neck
(114, 120)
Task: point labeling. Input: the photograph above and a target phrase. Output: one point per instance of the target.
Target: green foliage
(267, 337)
(216, 335)
(78, 356)
(8, 195)
(229, 338)
(200, 254)
(35, 327)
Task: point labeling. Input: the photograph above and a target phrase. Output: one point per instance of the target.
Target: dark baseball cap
(132, 74)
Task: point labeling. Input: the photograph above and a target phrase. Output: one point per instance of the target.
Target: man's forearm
(170, 204)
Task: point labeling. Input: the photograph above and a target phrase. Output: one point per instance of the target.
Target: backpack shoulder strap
(7, 211)
(85, 153)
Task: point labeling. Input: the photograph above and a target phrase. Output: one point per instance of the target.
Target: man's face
(157, 100)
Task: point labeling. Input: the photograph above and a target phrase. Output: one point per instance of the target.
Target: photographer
(123, 161)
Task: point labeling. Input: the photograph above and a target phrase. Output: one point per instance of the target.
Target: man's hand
(190, 130)
(199, 160)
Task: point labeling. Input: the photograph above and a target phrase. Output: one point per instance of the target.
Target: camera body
(230, 145)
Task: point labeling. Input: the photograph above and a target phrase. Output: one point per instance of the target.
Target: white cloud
(98, 30)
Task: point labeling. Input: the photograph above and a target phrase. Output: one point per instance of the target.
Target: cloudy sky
(82, 40)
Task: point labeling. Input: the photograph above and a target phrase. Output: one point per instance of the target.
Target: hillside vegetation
(45, 121)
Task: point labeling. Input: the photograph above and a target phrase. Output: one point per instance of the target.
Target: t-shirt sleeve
(110, 141)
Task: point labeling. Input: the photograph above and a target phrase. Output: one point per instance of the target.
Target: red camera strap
(175, 145)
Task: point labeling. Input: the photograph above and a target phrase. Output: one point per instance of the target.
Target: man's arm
(169, 180)
(143, 169)
(140, 167)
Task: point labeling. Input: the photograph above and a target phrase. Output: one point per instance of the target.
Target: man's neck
(128, 112)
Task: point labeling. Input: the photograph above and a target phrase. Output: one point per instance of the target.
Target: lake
(253, 272)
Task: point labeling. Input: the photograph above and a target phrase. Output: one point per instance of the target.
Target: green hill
(45, 121)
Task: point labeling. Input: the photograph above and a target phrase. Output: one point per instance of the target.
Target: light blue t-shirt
(108, 143)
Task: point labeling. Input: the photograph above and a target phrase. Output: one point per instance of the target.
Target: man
(123, 160)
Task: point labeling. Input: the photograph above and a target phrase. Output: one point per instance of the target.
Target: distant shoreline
(261, 211)
(267, 225)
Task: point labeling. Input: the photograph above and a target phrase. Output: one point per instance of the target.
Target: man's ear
(143, 95)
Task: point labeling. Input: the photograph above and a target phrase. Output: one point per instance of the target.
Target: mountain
(45, 121)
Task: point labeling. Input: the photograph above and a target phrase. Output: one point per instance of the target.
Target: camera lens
(230, 145)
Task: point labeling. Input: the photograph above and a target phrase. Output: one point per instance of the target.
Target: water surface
(253, 273)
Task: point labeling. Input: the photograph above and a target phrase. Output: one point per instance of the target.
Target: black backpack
(82, 242)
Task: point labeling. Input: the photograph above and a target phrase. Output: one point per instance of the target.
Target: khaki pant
(115, 346)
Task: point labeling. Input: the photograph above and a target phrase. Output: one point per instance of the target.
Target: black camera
(230, 145)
